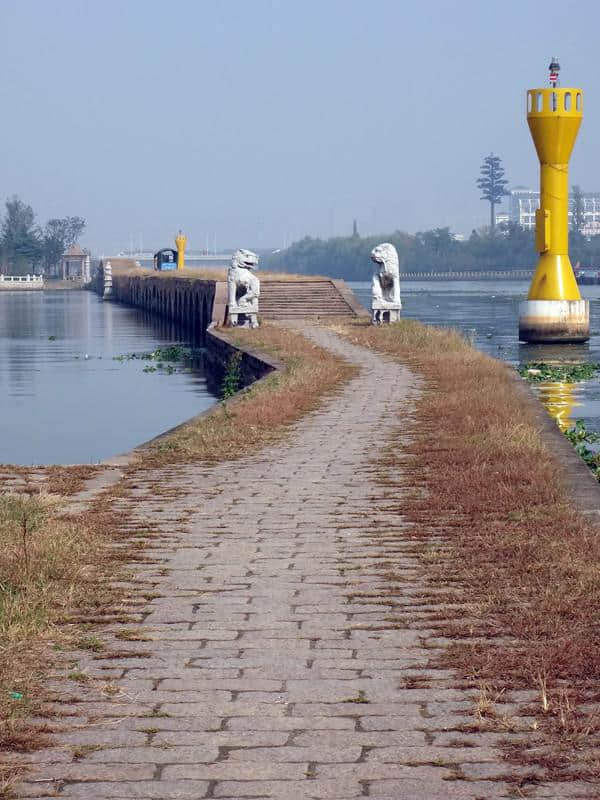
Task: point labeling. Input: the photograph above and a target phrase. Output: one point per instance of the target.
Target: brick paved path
(275, 668)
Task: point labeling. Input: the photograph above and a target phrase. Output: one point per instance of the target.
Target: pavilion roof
(74, 250)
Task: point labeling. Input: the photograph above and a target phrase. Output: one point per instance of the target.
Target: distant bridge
(470, 275)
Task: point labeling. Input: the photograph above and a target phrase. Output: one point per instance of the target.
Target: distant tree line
(504, 246)
(509, 247)
(343, 257)
(26, 247)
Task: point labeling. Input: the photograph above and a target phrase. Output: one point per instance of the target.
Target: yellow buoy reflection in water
(560, 399)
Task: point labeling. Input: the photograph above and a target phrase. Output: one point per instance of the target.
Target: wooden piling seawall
(187, 300)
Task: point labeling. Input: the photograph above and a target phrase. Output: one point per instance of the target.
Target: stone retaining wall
(219, 350)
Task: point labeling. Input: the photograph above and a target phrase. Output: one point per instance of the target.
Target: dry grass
(214, 274)
(261, 414)
(50, 567)
(42, 562)
(524, 560)
(67, 481)
(64, 481)
(128, 268)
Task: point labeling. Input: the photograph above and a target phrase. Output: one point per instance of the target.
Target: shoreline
(54, 285)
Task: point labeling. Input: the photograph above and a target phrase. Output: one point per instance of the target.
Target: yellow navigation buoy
(554, 310)
(180, 243)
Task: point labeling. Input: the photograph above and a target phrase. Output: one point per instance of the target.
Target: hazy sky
(260, 121)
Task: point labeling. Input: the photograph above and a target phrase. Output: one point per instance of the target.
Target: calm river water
(488, 311)
(65, 398)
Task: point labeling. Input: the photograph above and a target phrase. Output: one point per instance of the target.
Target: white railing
(21, 281)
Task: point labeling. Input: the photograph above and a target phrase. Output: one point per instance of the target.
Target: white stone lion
(385, 293)
(243, 289)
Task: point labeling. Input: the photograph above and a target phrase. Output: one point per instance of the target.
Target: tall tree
(492, 184)
(59, 235)
(577, 210)
(20, 237)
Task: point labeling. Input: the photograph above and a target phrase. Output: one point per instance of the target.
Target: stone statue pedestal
(383, 313)
(239, 318)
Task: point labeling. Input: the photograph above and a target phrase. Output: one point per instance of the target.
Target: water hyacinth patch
(580, 437)
(164, 358)
(540, 371)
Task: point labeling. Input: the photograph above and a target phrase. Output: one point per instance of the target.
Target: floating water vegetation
(540, 371)
(169, 369)
(580, 438)
(173, 352)
(164, 358)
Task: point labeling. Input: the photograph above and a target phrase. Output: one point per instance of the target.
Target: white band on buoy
(554, 320)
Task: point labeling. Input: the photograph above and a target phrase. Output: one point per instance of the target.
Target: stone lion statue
(243, 289)
(385, 293)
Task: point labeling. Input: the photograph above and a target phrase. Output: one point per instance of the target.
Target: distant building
(591, 213)
(75, 264)
(523, 203)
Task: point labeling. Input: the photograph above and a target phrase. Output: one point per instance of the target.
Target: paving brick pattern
(274, 667)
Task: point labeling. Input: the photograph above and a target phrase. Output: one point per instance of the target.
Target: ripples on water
(65, 399)
(488, 312)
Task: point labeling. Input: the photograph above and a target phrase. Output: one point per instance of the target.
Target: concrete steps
(309, 298)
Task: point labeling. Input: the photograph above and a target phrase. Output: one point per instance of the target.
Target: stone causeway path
(273, 665)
